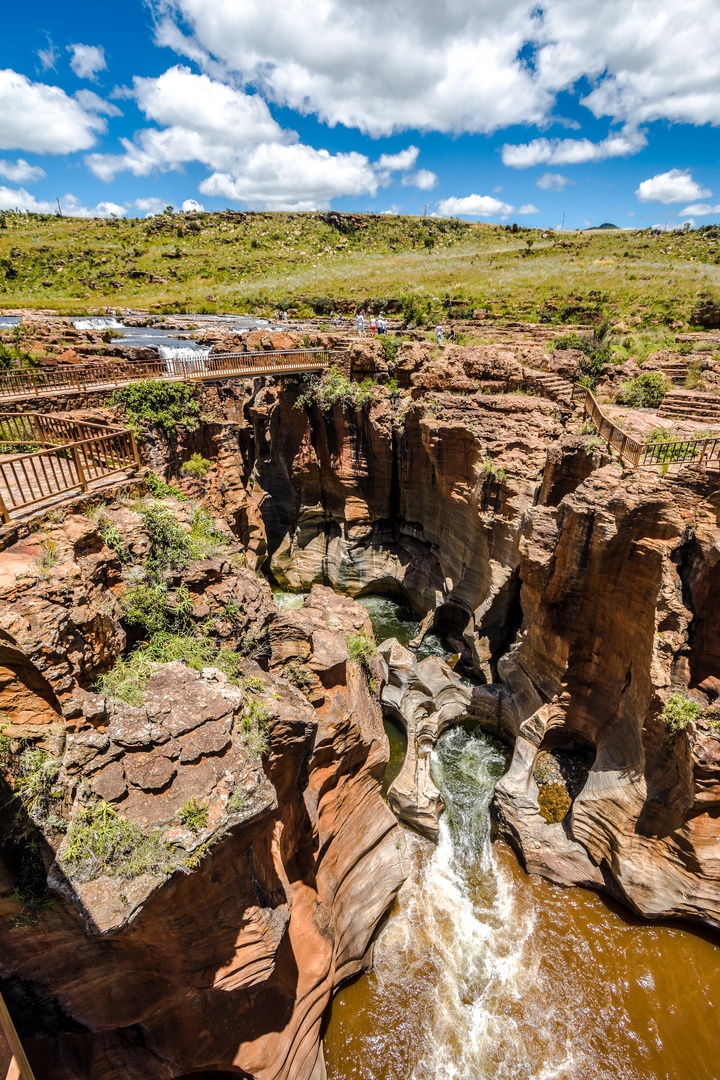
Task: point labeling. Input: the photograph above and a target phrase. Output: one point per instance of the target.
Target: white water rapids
(460, 945)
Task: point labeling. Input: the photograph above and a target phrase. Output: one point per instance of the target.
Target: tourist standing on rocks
(438, 332)
(361, 324)
(373, 326)
(451, 336)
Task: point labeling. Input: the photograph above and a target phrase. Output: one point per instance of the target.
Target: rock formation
(425, 697)
(257, 857)
(189, 873)
(581, 593)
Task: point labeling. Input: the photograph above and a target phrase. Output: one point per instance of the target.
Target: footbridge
(73, 379)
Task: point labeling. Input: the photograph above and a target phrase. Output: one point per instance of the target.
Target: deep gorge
(575, 599)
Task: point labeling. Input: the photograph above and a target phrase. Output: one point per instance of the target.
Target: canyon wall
(580, 592)
(138, 942)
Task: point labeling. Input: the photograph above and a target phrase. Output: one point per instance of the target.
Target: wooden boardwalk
(20, 385)
(74, 456)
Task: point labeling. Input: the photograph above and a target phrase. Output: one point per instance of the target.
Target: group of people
(374, 326)
(378, 325)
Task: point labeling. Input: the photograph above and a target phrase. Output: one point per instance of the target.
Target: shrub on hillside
(595, 349)
(644, 392)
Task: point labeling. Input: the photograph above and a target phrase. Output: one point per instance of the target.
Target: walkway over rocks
(19, 385)
(704, 451)
(74, 455)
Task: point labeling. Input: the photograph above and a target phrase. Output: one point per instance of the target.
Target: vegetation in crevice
(197, 466)
(332, 387)
(166, 406)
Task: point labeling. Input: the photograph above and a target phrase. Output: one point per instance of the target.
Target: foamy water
(462, 937)
(97, 322)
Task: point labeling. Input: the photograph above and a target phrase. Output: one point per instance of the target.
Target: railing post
(79, 468)
(19, 1061)
(4, 513)
(136, 456)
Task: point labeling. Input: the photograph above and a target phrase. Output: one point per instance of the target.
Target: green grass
(101, 841)
(495, 471)
(360, 647)
(332, 387)
(193, 815)
(259, 261)
(679, 710)
(127, 680)
(205, 539)
(36, 783)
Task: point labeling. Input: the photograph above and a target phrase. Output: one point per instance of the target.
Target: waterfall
(98, 323)
(193, 357)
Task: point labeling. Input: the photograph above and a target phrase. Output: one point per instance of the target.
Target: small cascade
(193, 358)
(98, 323)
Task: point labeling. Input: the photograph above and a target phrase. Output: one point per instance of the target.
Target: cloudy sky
(598, 110)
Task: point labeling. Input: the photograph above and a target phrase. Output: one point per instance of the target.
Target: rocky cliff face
(582, 595)
(192, 867)
(188, 871)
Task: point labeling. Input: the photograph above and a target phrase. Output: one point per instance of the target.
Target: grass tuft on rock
(101, 841)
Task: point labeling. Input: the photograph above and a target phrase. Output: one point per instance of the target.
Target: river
(485, 973)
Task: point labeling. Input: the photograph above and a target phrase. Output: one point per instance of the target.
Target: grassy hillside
(243, 262)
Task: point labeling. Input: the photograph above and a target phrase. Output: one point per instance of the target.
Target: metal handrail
(643, 455)
(86, 377)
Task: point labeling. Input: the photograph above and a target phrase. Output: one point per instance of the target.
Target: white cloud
(277, 177)
(21, 172)
(42, 119)
(423, 179)
(528, 208)
(699, 210)
(48, 57)
(87, 60)
(204, 121)
(572, 151)
(407, 64)
(20, 199)
(250, 157)
(474, 206)
(550, 181)
(402, 161)
(677, 185)
(149, 206)
(416, 64)
(190, 205)
(94, 103)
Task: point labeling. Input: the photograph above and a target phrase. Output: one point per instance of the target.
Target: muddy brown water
(485, 973)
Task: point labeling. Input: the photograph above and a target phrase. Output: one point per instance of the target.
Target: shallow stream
(485, 973)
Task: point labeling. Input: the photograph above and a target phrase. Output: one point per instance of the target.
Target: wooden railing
(75, 454)
(188, 368)
(640, 455)
(14, 1065)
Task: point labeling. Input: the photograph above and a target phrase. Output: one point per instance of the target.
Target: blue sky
(598, 111)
